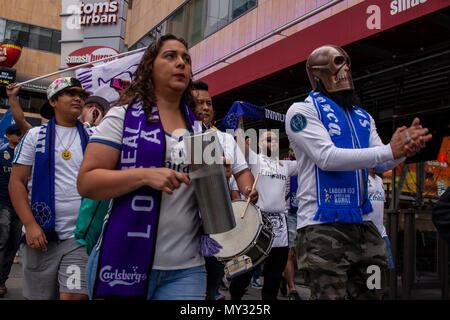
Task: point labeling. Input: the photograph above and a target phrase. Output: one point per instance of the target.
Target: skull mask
(331, 65)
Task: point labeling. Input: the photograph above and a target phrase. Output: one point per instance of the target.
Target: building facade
(92, 24)
(255, 51)
(37, 29)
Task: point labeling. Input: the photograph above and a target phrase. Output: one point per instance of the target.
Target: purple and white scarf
(128, 246)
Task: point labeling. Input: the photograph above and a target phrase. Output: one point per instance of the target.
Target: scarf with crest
(342, 195)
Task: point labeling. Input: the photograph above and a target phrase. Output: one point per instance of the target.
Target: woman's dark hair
(142, 86)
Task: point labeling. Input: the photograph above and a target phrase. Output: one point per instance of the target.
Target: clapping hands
(406, 142)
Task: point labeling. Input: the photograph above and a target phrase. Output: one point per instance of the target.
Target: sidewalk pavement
(15, 283)
(255, 294)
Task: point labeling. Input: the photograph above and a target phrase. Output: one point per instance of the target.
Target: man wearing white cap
(44, 194)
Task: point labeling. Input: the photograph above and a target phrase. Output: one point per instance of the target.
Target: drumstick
(248, 200)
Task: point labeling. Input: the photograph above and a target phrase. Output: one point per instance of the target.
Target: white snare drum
(251, 237)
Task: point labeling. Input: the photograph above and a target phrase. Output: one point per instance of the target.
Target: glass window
(146, 41)
(241, 6)
(4, 104)
(196, 22)
(217, 16)
(198, 19)
(176, 24)
(188, 22)
(17, 32)
(2, 29)
(56, 45)
(25, 103)
(40, 38)
(30, 36)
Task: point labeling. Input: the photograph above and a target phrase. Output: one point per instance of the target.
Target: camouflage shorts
(340, 259)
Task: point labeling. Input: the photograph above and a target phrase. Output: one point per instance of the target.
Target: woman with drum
(150, 241)
(271, 191)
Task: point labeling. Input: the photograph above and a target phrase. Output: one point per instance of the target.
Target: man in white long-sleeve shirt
(334, 142)
(271, 186)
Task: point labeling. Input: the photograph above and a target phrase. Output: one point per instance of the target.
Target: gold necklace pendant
(66, 155)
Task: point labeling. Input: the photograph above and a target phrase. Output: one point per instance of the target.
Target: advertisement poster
(437, 174)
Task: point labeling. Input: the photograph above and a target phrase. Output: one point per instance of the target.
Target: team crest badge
(298, 122)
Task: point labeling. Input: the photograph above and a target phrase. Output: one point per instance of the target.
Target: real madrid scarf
(342, 195)
(43, 186)
(293, 186)
(241, 108)
(129, 237)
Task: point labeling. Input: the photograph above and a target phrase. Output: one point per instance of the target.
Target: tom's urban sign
(89, 54)
(105, 12)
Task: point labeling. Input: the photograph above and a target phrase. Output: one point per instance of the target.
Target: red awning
(358, 22)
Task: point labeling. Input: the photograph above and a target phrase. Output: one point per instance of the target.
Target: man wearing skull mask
(334, 141)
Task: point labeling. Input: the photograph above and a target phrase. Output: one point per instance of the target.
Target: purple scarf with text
(128, 245)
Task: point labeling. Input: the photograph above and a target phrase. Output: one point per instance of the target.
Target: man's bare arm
(16, 110)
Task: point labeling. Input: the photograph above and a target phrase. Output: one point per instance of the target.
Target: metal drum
(207, 176)
(249, 243)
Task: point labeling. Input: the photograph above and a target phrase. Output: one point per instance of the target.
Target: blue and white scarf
(293, 186)
(43, 188)
(341, 195)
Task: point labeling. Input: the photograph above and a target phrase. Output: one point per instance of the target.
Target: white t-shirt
(234, 187)
(67, 198)
(232, 184)
(271, 188)
(313, 146)
(178, 236)
(232, 152)
(377, 198)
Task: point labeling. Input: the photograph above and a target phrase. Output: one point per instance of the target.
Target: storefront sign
(357, 22)
(105, 12)
(7, 76)
(89, 54)
(9, 54)
(398, 6)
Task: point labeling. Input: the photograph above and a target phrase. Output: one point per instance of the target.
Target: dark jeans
(257, 272)
(273, 268)
(10, 232)
(214, 274)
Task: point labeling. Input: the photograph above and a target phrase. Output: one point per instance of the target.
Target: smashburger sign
(89, 54)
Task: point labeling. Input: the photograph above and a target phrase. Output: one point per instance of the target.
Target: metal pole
(409, 248)
(445, 287)
(443, 267)
(420, 183)
(81, 66)
(401, 182)
(393, 201)
(393, 237)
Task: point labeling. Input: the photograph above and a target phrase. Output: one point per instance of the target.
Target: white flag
(96, 80)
